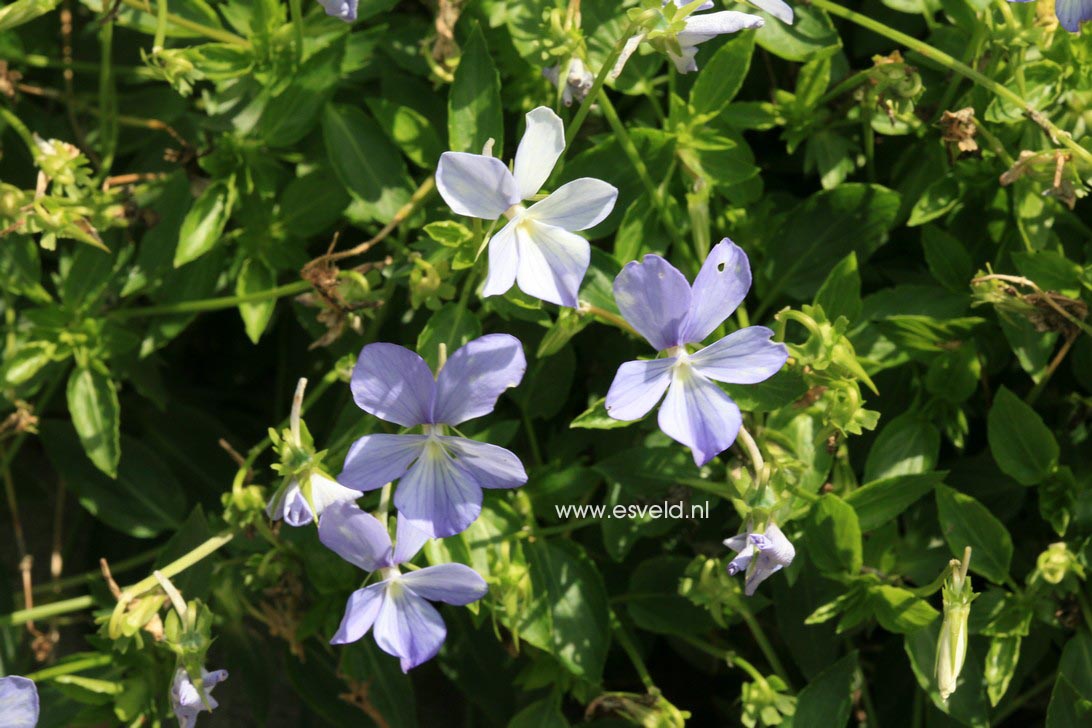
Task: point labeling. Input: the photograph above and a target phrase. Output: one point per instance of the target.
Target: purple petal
(487, 465)
(475, 376)
(186, 700)
(18, 702)
(742, 561)
(552, 262)
(576, 205)
(774, 552)
(375, 460)
(356, 536)
(637, 387)
(683, 3)
(409, 628)
(698, 414)
(1071, 13)
(746, 356)
(654, 297)
(700, 28)
(340, 9)
(737, 543)
(722, 283)
(438, 497)
(777, 8)
(456, 584)
(394, 384)
(297, 511)
(538, 152)
(408, 541)
(360, 612)
(503, 261)
(475, 185)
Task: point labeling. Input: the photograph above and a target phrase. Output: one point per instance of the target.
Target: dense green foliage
(204, 200)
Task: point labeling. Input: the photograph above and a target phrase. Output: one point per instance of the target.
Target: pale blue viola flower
(578, 80)
(656, 299)
(18, 702)
(759, 554)
(681, 43)
(187, 700)
(341, 9)
(537, 248)
(406, 625)
(1071, 13)
(442, 475)
(291, 503)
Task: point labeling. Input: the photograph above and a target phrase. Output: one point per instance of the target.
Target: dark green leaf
(966, 522)
(474, 105)
(1021, 444)
(96, 415)
(834, 536)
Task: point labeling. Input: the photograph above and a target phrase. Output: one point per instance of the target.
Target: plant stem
(763, 642)
(68, 668)
(1020, 700)
(297, 26)
(630, 648)
(213, 304)
(727, 655)
(597, 85)
(177, 566)
(943, 59)
(205, 30)
(611, 318)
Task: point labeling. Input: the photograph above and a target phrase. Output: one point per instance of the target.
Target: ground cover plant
(546, 363)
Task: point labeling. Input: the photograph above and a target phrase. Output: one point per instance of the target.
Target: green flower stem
(607, 316)
(597, 85)
(727, 655)
(297, 27)
(213, 304)
(631, 151)
(45, 611)
(763, 642)
(630, 648)
(205, 30)
(177, 566)
(88, 577)
(21, 129)
(69, 668)
(943, 59)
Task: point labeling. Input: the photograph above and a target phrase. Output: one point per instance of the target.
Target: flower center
(516, 210)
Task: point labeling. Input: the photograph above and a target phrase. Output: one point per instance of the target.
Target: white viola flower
(761, 555)
(298, 506)
(537, 249)
(578, 80)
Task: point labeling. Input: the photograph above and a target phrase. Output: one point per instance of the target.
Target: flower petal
(552, 262)
(741, 561)
(503, 261)
(375, 460)
(654, 297)
(637, 387)
(326, 491)
(722, 283)
(698, 414)
(686, 62)
(576, 205)
(538, 152)
(438, 497)
(18, 702)
(360, 612)
(700, 28)
(476, 185)
(1071, 13)
(475, 376)
(456, 584)
(297, 511)
(341, 9)
(487, 465)
(631, 46)
(394, 384)
(747, 356)
(777, 8)
(409, 628)
(355, 536)
(408, 541)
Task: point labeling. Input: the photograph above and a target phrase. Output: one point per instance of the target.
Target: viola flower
(18, 702)
(298, 508)
(406, 625)
(655, 298)
(777, 8)
(760, 554)
(1071, 13)
(341, 9)
(537, 248)
(679, 32)
(578, 80)
(187, 701)
(442, 475)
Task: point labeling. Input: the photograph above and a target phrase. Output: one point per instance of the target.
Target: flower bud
(952, 643)
(1058, 562)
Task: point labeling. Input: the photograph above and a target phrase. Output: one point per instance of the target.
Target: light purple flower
(578, 80)
(341, 9)
(292, 505)
(406, 625)
(442, 475)
(187, 701)
(655, 298)
(18, 702)
(777, 8)
(760, 555)
(1071, 13)
(537, 248)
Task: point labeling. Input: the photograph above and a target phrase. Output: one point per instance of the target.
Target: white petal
(539, 150)
(503, 261)
(631, 45)
(776, 8)
(325, 492)
(576, 205)
(700, 28)
(552, 262)
(475, 185)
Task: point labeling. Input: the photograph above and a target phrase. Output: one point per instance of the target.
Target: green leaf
(452, 326)
(27, 361)
(834, 536)
(595, 417)
(1001, 662)
(811, 35)
(827, 700)
(474, 104)
(1019, 440)
(654, 603)
(966, 522)
(254, 277)
(939, 198)
(1076, 663)
(205, 222)
(899, 610)
(410, 131)
(906, 445)
(390, 691)
(1067, 708)
(310, 204)
(96, 415)
(880, 501)
(722, 75)
(293, 112)
(545, 713)
(368, 165)
(840, 294)
(968, 703)
(947, 259)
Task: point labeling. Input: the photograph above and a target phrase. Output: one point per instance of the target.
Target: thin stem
(529, 426)
(611, 318)
(728, 656)
(96, 574)
(297, 26)
(597, 85)
(294, 416)
(630, 648)
(177, 566)
(753, 452)
(43, 611)
(1051, 368)
(1020, 700)
(69, 668)
(205, 30)
(212, 304)
(763, 641)
(384, 504)
(943, 59)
